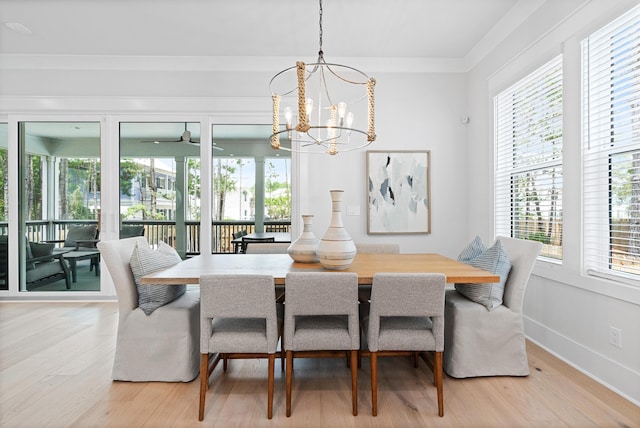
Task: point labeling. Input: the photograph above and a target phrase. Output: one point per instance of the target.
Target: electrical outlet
(615, 336)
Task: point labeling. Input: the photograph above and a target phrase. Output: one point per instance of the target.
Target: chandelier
(322, 107)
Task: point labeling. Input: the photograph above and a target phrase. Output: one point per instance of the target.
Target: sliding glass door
(160, 183)
(59, 206)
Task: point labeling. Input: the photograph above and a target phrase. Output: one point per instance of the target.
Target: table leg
(74, 274)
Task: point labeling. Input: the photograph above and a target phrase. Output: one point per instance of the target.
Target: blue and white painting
(398, 189)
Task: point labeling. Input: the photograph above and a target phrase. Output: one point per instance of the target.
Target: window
(528, 178)
(277, 188)
(611, 148)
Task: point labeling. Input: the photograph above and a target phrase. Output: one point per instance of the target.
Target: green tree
(193, 188)
(129, 172)
(223, 183)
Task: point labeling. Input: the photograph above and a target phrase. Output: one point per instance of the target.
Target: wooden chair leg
(224, 362)
(270, 385)
(354, 381)
(437, 374)
(374, 383)
(204, 383)
(415, 360)
(288, 376)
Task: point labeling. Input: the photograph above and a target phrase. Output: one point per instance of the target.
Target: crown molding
(225, 64)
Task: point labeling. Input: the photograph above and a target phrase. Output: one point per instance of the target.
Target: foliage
(129, 171)
(78, 209)
(143, 211)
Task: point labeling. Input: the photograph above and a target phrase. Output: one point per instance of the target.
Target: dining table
(279, 265)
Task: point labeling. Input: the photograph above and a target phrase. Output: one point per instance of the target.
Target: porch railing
(157, 230)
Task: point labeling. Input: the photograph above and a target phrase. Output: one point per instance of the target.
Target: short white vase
(305, 248)
(336, 250)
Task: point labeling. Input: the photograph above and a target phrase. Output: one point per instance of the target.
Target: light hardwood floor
(55, 367)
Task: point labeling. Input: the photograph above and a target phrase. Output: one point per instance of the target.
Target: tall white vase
(336, 250)
(305, 248)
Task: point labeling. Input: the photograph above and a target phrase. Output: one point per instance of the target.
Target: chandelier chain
(320, 53)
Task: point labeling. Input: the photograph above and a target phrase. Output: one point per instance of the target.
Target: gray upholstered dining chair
(321, 320)
(162, 346)
(387, 248)
(406, 315)
(239, 318)
(364, 293)
(267, 248)
(479, 342)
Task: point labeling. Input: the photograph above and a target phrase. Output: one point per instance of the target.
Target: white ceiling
(227, 30)
(219, 28)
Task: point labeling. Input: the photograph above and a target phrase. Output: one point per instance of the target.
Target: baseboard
(609, 373)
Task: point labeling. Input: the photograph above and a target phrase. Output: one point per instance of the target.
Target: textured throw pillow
(493, 260)
(80, 233)
(144, 261)
(41, 249)
(473, 250)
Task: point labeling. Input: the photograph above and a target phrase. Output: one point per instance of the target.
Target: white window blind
(611, 150)
(528, 176)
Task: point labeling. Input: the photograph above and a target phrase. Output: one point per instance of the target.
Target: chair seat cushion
(144, 261)
(493, 260)
(321, 332)
(43, 270)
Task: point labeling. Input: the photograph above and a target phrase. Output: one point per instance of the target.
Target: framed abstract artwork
(398, 192)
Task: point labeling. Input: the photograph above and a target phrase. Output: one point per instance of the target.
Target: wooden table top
(278, 265)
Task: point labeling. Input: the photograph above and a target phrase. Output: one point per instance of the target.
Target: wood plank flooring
(55, 368)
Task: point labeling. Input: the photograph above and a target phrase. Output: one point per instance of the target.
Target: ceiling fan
(185, 138)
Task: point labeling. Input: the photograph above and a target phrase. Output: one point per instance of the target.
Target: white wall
(566, 311)
(413, 112)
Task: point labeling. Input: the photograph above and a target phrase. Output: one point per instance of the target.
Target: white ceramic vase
(305, 248)
(336, 250)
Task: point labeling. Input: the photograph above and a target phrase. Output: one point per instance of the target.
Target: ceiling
(351, 28)
(462, 30)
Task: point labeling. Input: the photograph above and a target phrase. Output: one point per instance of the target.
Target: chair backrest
(267, 248)
(84, 232)
(522, 255)
(238, 296)
(411, 295)
(116, 255)
(249, 239)
(240, 233)
(321, 293)
(377, 248)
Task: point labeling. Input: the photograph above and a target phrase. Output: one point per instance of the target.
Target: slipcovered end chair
(163, 345)
(491, 342)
